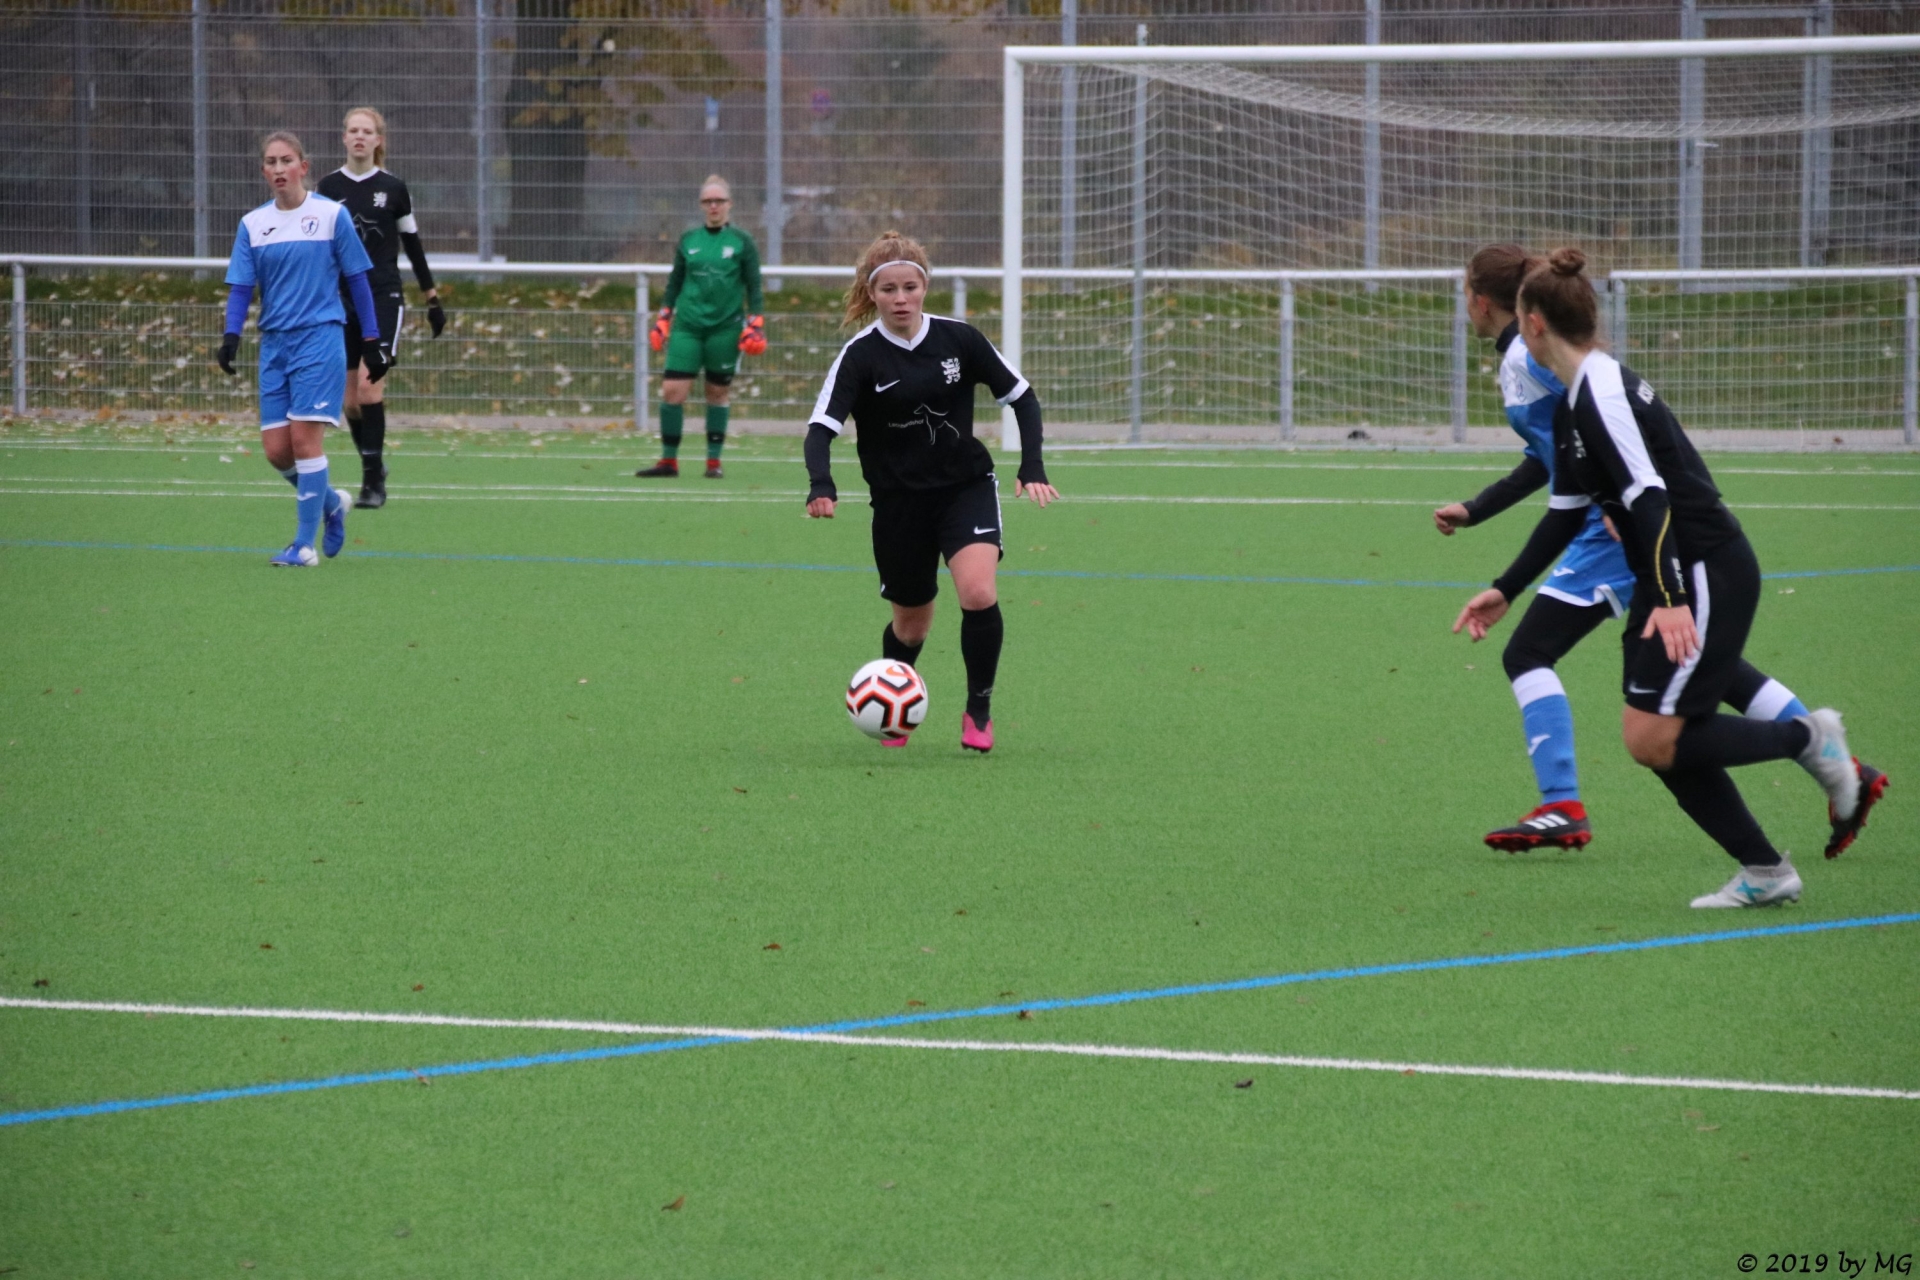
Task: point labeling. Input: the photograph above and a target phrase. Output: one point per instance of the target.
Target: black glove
(375, 358)
(436, 316)
(229, 348)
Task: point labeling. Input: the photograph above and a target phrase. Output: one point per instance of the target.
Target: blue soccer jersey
(297, 257)
(1594, 569)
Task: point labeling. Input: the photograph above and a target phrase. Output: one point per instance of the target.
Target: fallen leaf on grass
(741, 790)
(771, 946)
(1026, 1016)
(1706, 1128)
(1409, 1072)
(419, 986)
(266, 946)
(962, 911)
(422, 1079)
(916, 1004)
(679, 1202)
(40, 982)
(1243, 1084)
(583, 679)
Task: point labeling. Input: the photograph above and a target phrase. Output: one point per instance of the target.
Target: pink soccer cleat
(894, 740)
(975, 737)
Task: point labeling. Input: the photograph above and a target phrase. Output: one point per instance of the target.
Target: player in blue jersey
(1592, 583)
(296, 249)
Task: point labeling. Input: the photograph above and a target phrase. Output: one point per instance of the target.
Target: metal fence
(1267, 357)
(578, 130)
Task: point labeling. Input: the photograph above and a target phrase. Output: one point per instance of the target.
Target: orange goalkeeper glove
(753, 338)
(662, 323)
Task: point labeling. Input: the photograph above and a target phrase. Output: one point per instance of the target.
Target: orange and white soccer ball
(886, 699)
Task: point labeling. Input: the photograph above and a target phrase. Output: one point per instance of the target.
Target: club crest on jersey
(726, 251)
(1645, 392)
(379, 199)
(952, 369)
(309, 225)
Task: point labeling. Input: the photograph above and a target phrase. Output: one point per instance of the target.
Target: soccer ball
(886, 699)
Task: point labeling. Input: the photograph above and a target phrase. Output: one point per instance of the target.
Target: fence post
(1912, 431)
(20, 346)
(1459, 366)
(1138, 373)
(642, 313)
(1286, 360)
(202, 238)
(482, 144)
(959, 297)
(1617, 318)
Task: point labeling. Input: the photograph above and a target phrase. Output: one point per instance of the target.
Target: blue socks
(1775, 702)
(1548, 718)
(315, 496)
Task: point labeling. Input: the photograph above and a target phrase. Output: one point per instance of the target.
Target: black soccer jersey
(1616, 443)
(913, 402)
(382, 210)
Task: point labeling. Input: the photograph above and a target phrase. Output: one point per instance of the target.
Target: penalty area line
(843, 1033)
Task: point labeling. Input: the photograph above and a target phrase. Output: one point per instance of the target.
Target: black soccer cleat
(664, 467)
(1560, 825)
(1873, 785)
(373, 492)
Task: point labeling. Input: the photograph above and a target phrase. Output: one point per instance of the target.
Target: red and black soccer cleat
(714, 469)
(1560, 825)
(1873, 785)
(664, 467)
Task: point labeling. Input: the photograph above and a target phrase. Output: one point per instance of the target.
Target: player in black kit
(1697, 587)
(382, 212)
(907, 380)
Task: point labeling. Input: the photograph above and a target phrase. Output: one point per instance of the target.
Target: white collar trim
(926, 323)
(359, 177)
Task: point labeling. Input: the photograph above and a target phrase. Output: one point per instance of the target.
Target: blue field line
(458, 557)
(403, 1075)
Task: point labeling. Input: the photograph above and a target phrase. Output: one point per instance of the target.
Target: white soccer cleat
(1756, 887)
(1830, 762)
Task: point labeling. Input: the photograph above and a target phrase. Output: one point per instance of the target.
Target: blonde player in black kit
(1696, 590)
(382, 210)
(907, 381)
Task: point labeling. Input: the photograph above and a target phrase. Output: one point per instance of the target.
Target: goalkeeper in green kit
(702, 326)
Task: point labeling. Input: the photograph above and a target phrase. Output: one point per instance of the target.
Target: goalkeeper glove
(229, 348)
(375, 357)
(753, 338)
(436, 316)
(657, 338)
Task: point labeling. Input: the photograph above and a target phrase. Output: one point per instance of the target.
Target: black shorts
(914, 528)
(390, 309)
(1548, 632)
(1725, 589)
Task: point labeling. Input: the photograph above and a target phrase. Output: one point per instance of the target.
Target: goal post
(1173, 216)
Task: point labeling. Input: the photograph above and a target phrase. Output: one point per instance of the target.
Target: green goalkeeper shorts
(717, 350)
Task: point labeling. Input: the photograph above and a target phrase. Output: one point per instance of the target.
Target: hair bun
(1567, 261)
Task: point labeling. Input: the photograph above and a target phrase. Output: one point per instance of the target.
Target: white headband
(898, 262)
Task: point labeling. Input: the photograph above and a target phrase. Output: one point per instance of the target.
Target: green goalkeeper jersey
(711, 266)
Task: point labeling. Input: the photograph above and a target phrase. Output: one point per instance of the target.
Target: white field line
(1070, 462)
(1126, 1052)
(578, 493)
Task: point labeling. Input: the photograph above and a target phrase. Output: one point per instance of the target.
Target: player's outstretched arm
(1527, 478)
(821, 495)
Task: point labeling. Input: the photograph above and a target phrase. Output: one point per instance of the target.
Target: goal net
(1266, 243)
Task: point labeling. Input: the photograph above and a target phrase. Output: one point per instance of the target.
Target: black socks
(1726, 742)
(894, 649)
(370, 437)
(1709, 797)
(981, 633)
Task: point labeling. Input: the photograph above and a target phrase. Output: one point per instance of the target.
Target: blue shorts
(1593, 571)
(303, 376)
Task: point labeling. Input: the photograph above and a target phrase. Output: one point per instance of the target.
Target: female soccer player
(382, 210)
(907, 380)
(1697, 586)
(701, 325)
(1591, 583)
(297, 248)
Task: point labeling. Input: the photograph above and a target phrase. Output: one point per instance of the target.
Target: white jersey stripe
(833, 376)
(1702, 606)
(1602, 375)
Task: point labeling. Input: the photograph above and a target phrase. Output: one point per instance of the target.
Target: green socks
(716, 430)
(673, 420)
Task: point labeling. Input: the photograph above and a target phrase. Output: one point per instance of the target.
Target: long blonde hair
(379, 123)
(890, 247)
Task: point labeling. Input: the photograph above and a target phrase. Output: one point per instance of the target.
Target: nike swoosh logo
(987, 530)
(1533, 744)
(319, 404)
(878, 387)
(1634, 688)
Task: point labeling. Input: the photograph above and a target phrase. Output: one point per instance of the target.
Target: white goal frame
(1013, 128)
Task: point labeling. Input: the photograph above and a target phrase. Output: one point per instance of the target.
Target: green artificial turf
(543, 746)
